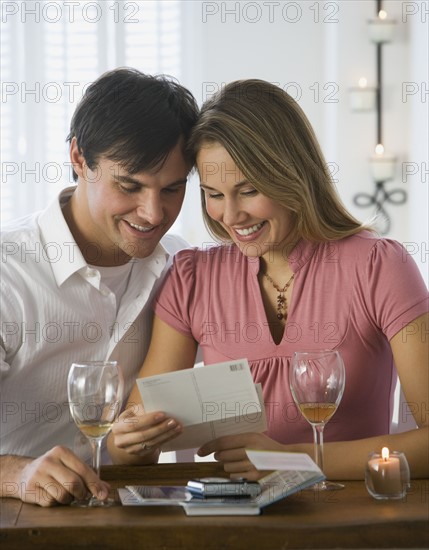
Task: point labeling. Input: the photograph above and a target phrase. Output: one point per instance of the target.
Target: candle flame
(363, 82)
(382, 14)
(385, 453)
(379, 150)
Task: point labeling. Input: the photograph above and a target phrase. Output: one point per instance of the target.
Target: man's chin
(138, 251)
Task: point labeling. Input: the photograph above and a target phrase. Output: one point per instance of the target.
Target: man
(78, 278)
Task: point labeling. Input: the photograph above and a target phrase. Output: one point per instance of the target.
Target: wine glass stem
(318, 444)
(96, 452)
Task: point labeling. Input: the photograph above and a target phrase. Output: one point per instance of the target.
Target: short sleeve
(397, 293)
(174, 301)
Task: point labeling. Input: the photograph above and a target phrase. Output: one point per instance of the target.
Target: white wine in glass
(317, 381)
(95, 390)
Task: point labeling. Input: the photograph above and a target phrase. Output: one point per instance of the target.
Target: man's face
(119, 215)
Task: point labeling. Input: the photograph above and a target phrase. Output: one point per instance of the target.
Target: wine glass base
(326, 486)
(94, 503)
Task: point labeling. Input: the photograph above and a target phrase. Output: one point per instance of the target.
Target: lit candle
(362, 98)
(382, 165)
(386, 474)
(363, 82)
(381, 29)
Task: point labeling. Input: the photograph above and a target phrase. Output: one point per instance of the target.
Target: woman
(296, 272)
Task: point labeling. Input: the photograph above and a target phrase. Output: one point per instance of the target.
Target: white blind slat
(64, 51)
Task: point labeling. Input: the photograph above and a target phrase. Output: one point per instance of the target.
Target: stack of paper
(296, 471)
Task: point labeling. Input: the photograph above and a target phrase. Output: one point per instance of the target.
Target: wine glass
(316, 381)
(95, 391)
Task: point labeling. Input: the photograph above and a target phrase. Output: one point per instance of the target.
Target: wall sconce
(382, 165)
(362, 98)
(381, 30)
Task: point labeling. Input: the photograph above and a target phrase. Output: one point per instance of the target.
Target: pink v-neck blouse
(351, 295)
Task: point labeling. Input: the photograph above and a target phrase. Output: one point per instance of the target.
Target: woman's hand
(137, 432)
(231, 451)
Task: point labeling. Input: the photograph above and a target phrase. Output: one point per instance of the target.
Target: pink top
(352, 295)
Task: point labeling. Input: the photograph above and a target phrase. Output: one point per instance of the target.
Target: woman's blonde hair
(273, 144)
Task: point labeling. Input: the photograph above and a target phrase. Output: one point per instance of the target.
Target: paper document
(209, 401)
(273, 460)
(147, 495)
(156, 495)
(274, 487)
(281, 484)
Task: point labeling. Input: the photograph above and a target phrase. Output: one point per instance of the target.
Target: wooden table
(344, 519)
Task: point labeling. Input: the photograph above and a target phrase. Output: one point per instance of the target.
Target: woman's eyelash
(247, 193)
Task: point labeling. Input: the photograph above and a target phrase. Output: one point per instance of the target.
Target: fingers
(224, 443)
(81, 478)
(249, 440)
(57, 477)
(236, 463)
(231, 452)
(153, 438)
(138, 434)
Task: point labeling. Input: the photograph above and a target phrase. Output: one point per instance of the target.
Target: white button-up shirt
(56, 311)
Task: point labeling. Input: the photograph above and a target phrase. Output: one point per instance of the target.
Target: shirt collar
(299, 256)
(63, 252)
(58, 242)
(157, 261)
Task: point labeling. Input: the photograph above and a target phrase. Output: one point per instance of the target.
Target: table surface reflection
(350, 518)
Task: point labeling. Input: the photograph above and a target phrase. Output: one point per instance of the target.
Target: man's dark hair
(133, 119)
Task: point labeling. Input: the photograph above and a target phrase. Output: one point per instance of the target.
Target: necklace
(281, 298)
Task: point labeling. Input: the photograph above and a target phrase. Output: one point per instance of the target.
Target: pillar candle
(385, 473)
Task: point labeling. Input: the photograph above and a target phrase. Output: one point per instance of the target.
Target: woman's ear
(76, 157)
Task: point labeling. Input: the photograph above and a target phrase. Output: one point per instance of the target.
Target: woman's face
(258, 225)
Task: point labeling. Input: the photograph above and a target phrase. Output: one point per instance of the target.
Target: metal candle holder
(382, 166)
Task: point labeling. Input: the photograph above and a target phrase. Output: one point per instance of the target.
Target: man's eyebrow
(134, 181)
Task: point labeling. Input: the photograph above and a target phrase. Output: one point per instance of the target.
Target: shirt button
(105, 292)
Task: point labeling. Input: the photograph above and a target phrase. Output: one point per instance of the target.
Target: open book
(300, 472)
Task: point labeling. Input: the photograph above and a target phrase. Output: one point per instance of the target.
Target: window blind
(50, 52)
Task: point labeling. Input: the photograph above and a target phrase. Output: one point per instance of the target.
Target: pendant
(281, 301)
(281, 298)
(281, 306)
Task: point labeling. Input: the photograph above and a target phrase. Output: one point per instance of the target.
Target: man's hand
(57, 477)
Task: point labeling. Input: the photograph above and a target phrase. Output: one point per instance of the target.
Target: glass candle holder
(362, 98)
(382, 165)
(381, 29)
(387, 475)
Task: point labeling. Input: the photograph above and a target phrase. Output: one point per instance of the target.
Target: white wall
(317, 51)
(417, 154)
